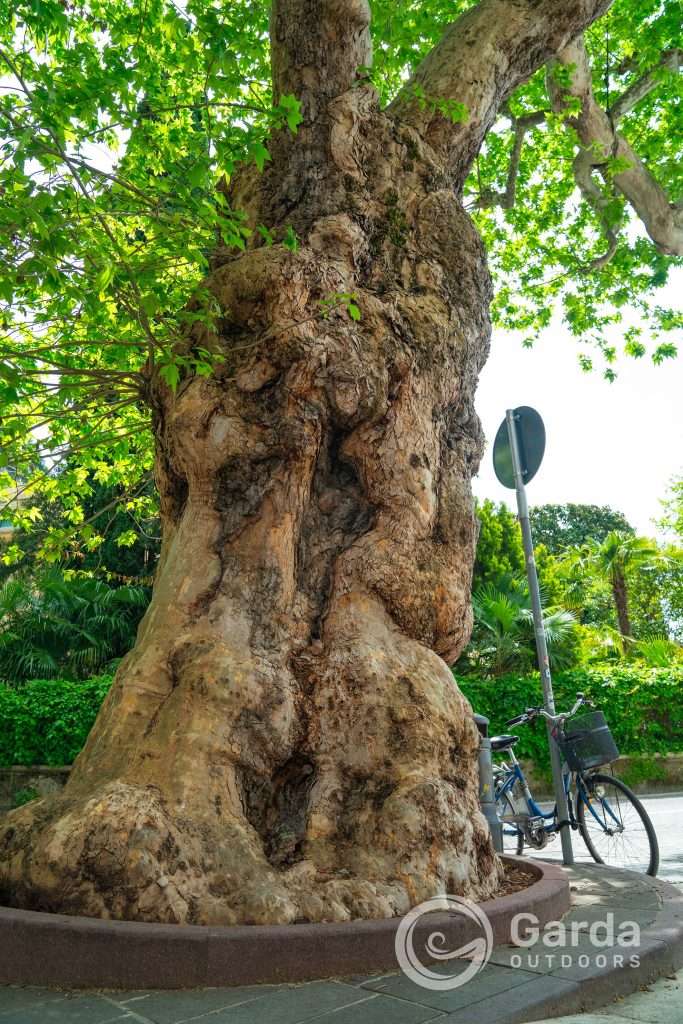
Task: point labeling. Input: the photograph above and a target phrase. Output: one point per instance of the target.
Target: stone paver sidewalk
(659, 1003)
(517, 985)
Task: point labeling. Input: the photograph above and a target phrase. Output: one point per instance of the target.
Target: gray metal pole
(541, 646)
(487, 791)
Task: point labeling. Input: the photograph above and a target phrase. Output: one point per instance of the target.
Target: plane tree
(245, 251)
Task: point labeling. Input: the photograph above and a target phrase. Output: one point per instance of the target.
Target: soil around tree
(515, 878)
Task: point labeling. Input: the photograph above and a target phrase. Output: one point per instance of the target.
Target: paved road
(666, 813)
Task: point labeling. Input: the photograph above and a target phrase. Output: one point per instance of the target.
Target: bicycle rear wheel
(615, 826)
(513, 837)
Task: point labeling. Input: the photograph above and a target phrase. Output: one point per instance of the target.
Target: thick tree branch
(599, 202)
(520, 125)
(600, 141)
(317, 47)
(644, 85)
(481, 58)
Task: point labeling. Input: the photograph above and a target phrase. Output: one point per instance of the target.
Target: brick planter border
(81, 952)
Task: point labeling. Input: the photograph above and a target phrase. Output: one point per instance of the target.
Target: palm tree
(65, 624)
(503, 637)
(659, 651)
(612, 558)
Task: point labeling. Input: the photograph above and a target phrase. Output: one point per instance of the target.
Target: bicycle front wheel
(615, 826)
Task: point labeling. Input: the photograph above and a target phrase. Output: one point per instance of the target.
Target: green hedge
(46, 721)
(643, 706)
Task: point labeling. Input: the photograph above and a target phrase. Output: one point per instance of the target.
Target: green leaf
(667, 350)
(126, 539)
(150, 303)
(104, 277)
(290, 240)
(170, 373)
(265, 234)
(291, 107)
(259, 154)
(9, 373)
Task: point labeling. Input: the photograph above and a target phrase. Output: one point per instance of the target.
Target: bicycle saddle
(503, 742)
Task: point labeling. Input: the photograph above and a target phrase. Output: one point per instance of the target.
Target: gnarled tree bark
(286, 742)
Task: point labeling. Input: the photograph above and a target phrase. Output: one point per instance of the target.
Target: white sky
(613, 444)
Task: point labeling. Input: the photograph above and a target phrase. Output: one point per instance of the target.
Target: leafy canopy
(118, 121)
(541, 245)
(673, 509)
(560, 527)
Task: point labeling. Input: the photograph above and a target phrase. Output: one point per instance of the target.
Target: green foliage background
(643, 706)
(65, 624)
(499, 547)
(565, 535)
(46, 721)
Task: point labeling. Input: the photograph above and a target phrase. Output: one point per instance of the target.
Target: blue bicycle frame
(514, 774)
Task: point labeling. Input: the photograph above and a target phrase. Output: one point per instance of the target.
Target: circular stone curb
(83, 952)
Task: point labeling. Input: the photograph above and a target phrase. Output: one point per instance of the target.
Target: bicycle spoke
(614, 829)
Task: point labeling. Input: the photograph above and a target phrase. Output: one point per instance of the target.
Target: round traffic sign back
(530, 442)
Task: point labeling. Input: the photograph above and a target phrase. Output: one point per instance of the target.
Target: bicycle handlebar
(532, 713)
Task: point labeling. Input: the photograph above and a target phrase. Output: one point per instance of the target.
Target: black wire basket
(587, 742)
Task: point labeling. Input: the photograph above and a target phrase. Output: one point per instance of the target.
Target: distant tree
(499, 548)
(559, 527)
(673, 509)
(587, 593)
(612, 559)
(500, 554)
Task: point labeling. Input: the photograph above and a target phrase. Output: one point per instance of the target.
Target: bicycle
(608, 815)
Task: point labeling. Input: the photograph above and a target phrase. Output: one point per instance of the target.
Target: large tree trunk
(286, 741)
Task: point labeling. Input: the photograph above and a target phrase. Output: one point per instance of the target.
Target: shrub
(644, 706)
(47, 721)
(24, 796)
